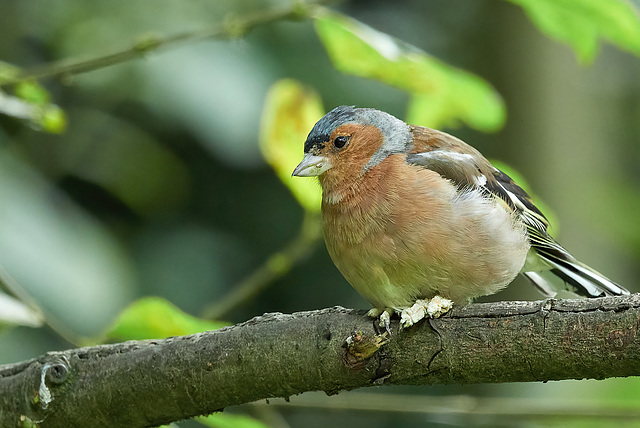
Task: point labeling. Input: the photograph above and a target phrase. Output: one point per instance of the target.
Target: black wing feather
(579, 278)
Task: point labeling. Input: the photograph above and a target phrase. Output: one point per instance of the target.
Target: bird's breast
(409, 233)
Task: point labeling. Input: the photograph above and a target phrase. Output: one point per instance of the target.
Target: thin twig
(228, 28)
(13, 287)
(276, 266)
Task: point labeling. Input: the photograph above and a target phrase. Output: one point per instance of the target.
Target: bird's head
(347, 142)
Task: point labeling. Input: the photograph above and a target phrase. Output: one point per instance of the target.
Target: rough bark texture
(147, 383)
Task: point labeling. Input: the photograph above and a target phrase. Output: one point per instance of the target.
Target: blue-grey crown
(321, 131)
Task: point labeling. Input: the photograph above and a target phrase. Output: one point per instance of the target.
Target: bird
(416, 220)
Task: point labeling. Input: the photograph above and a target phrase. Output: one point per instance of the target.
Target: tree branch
(142, 383)
(228, 29)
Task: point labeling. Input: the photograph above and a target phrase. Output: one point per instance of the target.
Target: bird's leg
(384, 314)
(422, 307)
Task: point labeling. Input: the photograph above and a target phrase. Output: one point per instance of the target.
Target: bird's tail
(578, 277)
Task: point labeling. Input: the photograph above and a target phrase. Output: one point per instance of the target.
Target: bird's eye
(340, 141)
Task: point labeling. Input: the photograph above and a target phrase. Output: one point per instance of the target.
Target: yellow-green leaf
(442, 95)
(230, 420)
(156, 318)
(32, 92)
(32, 103)
(581, 23)
(290, 112)
(53, 119)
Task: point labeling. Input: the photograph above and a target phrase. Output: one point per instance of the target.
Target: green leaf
(581, 23)
(53, 119)
(32, 92)
(156, 318)
(290, 112)
(442, 95)
(230, 420)
(32, 103)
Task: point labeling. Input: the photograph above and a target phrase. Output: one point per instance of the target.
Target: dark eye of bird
(340, 141)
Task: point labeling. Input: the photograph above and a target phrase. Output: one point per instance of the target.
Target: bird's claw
(422, 308)
(438, 305)
(384, 316)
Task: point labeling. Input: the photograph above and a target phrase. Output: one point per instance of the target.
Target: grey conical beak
(312, 166)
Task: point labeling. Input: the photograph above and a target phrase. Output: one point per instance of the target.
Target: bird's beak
(312, 166)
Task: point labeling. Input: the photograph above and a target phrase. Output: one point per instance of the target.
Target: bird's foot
(438, 305)
(383, 314)
(422, 308)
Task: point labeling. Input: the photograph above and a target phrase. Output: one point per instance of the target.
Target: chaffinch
(416, 219)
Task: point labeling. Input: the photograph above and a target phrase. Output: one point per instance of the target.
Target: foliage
(441, 95)
(289, 113)
(582, 23)
(32, 102)
(156, 318)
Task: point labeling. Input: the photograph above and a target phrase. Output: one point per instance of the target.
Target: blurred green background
(158, 187)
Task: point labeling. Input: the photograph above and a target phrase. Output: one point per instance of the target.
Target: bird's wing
(467, 168)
